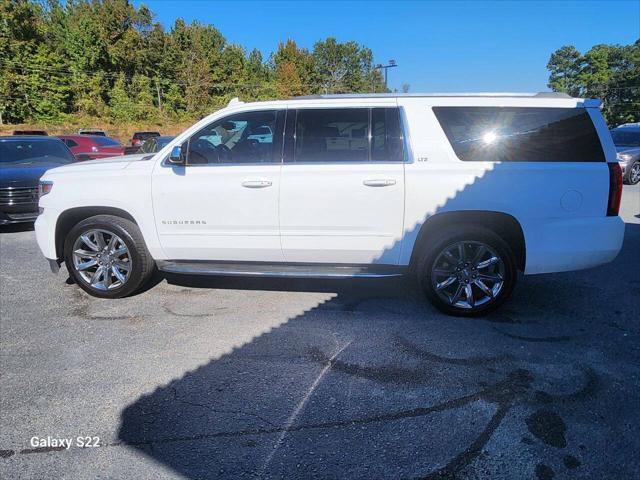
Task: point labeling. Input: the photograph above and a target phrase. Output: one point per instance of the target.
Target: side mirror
(177, 157)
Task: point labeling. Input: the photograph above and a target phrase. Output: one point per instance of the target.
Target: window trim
(290, 140)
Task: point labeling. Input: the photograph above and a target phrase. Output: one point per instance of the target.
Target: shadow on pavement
(374, 383)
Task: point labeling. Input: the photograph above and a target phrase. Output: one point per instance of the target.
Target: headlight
(44, 187)
(624, 157)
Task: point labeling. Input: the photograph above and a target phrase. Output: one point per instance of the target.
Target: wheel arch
(68, 218)
(503, 224)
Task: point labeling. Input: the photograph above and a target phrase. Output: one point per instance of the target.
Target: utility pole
(392, 63)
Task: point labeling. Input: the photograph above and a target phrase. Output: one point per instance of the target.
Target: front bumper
(9, 218)
(45, 228)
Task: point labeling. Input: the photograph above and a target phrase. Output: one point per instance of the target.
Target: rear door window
(386, 135)
(521, 134)
(334, 135)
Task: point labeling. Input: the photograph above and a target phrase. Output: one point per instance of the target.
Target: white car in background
(462, 191)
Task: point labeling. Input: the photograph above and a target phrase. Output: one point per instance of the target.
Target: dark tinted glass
(106, 142)
(26, 152)
(145, 135)
(149, 146)
(626, 137)
(332, 135)
(235, 139)
(508, 134)
(386, 135)
(162, 142)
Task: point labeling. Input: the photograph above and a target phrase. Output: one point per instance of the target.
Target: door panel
(342, 186)
(223, 205)
(329, 215)
(210, 213)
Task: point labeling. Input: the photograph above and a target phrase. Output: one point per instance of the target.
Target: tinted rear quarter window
(521, 134)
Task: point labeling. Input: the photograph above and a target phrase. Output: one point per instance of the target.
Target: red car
(90, 147)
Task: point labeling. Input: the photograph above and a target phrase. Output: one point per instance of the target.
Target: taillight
(615, 189)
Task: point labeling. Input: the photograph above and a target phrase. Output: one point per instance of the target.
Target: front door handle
(257, 183)
(379, 182)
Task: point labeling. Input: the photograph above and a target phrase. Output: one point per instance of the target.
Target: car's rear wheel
(107, 256)
(467, 272)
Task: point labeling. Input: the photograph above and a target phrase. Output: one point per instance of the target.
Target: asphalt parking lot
(240, 378)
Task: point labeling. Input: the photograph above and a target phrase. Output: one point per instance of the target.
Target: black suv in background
(23, 160)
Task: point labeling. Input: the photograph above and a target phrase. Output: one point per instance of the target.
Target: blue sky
(439, 46)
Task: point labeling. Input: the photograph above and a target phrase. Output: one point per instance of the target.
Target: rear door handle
(258, 183)
(379, 182)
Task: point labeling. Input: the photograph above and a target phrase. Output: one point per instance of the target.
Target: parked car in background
(23, 160)
(92, 131)
(627, 141)
(90, 147)
(139, 138)
(30, 132)
(155, 144)
(462, 191)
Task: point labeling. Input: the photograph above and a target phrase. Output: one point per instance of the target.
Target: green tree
(294, 70)
(121, 107)
(608, 72)
(565, 66)
(345, 67)
(142, 98)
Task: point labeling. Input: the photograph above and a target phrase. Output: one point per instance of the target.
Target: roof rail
(234, 101)
(446, 94)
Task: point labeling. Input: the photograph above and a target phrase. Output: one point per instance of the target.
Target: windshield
(163, 142)
(626, 138)
(34, 152)
(106, 142)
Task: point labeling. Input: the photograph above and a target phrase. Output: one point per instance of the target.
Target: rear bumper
(561, 245)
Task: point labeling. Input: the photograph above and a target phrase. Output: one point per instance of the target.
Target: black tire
(475, 236)
(141, 262)
(628, 178)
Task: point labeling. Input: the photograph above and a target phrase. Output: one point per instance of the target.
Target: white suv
(463, 191)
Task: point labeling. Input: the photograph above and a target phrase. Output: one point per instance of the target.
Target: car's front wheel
(634, 173)
(468, 271)
(107, 257)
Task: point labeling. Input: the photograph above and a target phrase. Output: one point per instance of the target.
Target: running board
(291, 270)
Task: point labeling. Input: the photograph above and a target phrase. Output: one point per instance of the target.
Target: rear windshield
(144, 135)
(520, 134)
(106, 141)
(626, 137)
(30, 152)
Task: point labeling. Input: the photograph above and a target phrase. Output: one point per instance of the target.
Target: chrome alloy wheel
(468, 274)
(634, 173)
(102, 259)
